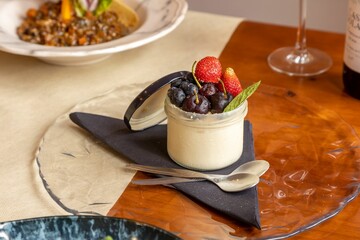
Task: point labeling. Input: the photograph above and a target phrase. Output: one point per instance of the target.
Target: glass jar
(205, 141)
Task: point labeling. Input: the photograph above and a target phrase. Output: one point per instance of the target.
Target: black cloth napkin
(148, 147)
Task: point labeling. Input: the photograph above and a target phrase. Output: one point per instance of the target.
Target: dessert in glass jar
(206, 111)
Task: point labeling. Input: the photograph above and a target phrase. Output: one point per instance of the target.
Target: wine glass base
(286, 60)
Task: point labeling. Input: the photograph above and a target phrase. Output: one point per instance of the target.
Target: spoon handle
(164, 181)
(168, 171)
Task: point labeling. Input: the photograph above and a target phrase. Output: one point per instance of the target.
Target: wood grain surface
(247, 52)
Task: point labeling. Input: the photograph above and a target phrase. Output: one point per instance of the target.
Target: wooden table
(247, 52)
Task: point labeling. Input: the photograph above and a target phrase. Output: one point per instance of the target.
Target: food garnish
(66, 10)
(96, 7)
(231, 82)
(239, 99)
(209, 89)
(208, 70)
(77, 22)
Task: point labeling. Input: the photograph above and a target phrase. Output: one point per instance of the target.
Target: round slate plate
(81, 227)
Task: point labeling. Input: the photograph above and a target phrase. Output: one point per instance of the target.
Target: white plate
(157, 18)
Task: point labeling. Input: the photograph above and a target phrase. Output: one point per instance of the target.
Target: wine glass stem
(300, 44)
(300, 60)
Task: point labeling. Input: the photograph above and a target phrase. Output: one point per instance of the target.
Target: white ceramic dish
(157, 18)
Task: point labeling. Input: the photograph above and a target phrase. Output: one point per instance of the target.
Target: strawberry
(208, 70)
(231, 82)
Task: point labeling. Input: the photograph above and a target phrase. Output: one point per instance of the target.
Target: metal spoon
(257, 167)
(229, 183)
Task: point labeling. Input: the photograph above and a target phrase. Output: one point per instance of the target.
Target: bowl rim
(145, 33)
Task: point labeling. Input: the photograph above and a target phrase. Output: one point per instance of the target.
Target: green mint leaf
(102, 6)
(239, 99)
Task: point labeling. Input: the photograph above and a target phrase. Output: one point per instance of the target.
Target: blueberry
(176, 96)
(189, 88)
(184, 84)
(176, 83)
(190, 78)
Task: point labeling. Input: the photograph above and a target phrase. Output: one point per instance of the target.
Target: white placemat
(33, 94)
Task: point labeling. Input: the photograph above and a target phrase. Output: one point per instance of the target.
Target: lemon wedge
(126, 14)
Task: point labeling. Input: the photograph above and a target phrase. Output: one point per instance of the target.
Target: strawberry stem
(193, 73)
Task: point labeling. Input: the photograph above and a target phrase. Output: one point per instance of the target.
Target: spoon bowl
(257, 167)
(236, 182)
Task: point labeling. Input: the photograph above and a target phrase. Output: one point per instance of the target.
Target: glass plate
(314, 156)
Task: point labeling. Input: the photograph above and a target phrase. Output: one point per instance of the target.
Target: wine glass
(300, 60)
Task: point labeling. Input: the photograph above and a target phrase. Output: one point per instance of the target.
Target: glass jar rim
(214, 119)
